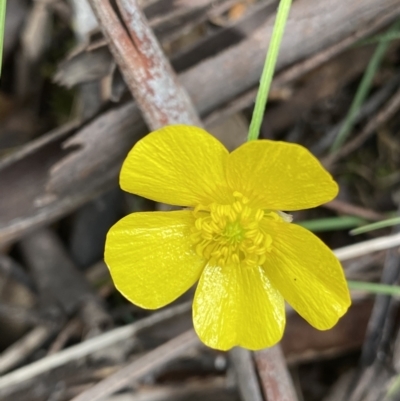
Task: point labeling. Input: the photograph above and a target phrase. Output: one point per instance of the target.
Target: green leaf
(332, 223)
(374, 288)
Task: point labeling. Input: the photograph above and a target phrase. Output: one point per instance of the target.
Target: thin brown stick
(275, 378)
(72, 327)
(146, 70)
(137, 369)
(246, 375)
(24, 347)
(353, 210)
(121, 334)
(216, 389)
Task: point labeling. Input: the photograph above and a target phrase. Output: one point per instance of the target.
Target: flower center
(232, 234)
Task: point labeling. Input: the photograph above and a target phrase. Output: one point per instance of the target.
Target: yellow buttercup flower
(232, 236)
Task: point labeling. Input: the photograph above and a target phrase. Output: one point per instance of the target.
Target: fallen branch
(24, 347)
(246, 374)
(147, 72)
(22, 376)
(137, 369)
(369, 246)
(274, 376)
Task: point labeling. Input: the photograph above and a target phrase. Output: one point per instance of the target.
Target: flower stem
(2, 26)
(374, 288)
(269, 68)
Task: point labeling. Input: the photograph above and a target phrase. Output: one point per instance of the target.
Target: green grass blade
(332, 223)
(2, 26)
(374, 288)
(363, 89)
(376, 226)
(393, 391)
(388, 36)
(269, 68)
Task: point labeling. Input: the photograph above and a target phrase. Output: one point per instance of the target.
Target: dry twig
(137, 369)
(29, 372)
(24, 347)
(354, 210)
(275, 378)
(246, 374)
(147, 73)
(369, 246)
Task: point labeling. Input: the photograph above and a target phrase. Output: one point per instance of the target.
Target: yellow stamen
(231, 234)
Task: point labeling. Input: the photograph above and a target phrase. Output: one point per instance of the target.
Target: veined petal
(237, 306)
(151, 257)
(307, 274)
(279, 176)
(178, 165)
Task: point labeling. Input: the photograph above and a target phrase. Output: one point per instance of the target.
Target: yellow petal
(237, 306)
(178, 165)
(279, 176)
(307, 274)
(151, 257)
